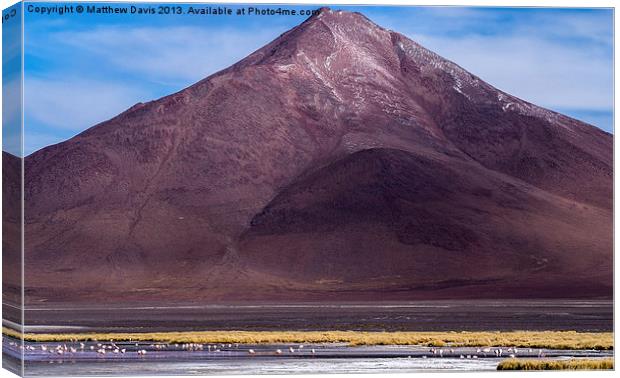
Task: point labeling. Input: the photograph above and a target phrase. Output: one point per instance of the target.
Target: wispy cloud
(11, 115)
(536, 70)
(81, 73)
(11, 101)
(77, 103)
(169, 53)
(560, 60)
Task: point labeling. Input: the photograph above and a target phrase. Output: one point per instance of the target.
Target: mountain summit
(341, 161)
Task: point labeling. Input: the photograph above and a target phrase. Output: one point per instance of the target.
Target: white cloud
(184, 53)
(525, 61)
(11, 101)
(11, 116)
(62, 103)
(556, 60)
(545, 73)
(76, 104)
(597, 29)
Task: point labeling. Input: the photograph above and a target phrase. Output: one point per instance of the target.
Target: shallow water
(265, 359)
(411, 316)
(480, 315)
(262, 366)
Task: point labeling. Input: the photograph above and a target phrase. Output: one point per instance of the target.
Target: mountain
(342, 161)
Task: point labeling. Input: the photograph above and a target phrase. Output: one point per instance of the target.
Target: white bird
(278, 351)
(313, 351)
(43, 348)
(251, 351)
(291, 349)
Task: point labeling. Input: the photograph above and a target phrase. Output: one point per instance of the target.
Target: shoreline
(561, 340)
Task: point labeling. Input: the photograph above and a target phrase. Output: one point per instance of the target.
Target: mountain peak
(339, 144)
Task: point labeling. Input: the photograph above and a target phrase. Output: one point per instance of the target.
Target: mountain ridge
(240, 185)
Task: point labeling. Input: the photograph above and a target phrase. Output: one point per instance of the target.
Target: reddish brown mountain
(340, 161)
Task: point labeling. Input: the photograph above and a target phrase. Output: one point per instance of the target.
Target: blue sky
(83, 69)
(11, 80)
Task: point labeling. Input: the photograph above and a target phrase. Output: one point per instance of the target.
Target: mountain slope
(341, 160)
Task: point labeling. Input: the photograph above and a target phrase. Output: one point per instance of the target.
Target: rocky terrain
(342, 161)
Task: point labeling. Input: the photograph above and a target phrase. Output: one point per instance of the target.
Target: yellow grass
(523, 339)
(572, 364)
